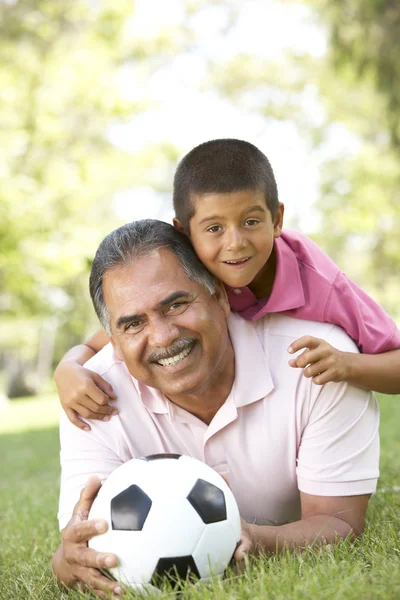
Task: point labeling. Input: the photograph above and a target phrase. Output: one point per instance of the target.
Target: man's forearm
(377, 372)
(320, 529)
(61, 569)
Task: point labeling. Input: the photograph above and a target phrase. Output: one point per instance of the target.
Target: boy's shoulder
(309, 255)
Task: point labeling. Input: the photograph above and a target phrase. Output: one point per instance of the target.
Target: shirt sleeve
(361, 317)
(83, 453)
(339, 448)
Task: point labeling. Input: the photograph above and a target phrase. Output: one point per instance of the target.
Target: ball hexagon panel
(174, 569)
(130, 509)
(215, 549)
(209, 501)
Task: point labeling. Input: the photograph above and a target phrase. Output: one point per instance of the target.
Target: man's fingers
(306, 341)
(87, 495)
(87, 557)
(81, 532)
(75, 420)
(93, 579)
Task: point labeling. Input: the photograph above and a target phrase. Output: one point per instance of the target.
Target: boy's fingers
(90, 415)
(316, 368)
(75, 420)
(99, 410)
(324, 377)
(308, 357)
(104, 386)
(306, 341)
(96, 394)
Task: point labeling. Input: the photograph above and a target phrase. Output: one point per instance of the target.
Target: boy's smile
(233, 235)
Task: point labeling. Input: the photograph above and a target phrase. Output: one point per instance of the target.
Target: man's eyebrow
(128, 319)
(174, 296)
(137, 316)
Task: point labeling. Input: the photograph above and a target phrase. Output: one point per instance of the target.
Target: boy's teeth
(175, 359)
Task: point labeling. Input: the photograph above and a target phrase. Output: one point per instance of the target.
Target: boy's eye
(214, 228)
(252, 222)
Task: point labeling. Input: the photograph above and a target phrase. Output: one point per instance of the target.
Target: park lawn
(368, 569)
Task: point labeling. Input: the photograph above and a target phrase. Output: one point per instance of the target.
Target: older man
(301, 459)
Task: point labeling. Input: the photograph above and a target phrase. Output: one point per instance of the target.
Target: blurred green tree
(62, 89)
(365, 41)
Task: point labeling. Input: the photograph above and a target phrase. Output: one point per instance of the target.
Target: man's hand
(75, 564)
(245, 545)
(325, 363)
(83, 393)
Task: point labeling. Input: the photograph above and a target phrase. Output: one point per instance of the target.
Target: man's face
(169, 330)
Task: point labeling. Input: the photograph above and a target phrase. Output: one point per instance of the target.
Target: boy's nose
(235, 241)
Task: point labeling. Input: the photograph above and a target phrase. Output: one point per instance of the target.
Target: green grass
(368, 569)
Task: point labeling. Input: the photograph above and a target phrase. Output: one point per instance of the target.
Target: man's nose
(162, 332)
(235, 240)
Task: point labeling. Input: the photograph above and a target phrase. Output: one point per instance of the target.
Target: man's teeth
(175, 359)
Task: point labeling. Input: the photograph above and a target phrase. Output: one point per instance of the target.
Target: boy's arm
(81, 391)
(324, 363)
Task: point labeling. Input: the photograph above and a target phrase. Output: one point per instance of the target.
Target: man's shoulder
(289, 329)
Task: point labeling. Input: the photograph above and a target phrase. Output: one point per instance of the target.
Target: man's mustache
(175, 348)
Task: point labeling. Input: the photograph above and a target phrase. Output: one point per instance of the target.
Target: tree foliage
(365, 44)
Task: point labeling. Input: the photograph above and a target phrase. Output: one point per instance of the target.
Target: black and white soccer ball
(168, 515)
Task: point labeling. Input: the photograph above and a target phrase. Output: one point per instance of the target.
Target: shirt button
(237, 291)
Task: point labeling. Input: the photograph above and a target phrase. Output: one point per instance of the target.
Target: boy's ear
(222, 297)
(178, 225)
(278, 221)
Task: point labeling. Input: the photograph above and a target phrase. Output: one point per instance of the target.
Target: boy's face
(233, 234)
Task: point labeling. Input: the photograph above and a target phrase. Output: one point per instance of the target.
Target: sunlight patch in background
(185, 111)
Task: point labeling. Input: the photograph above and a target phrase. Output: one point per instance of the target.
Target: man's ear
(278, 221)
(178, 225)
(222, 297)
(117, 349)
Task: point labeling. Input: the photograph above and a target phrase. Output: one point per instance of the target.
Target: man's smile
(164, 362)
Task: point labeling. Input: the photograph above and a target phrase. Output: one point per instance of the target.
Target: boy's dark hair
(222, 166)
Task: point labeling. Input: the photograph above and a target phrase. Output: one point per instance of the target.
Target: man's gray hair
(137, 239)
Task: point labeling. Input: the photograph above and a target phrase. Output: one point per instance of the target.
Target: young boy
(226, 201)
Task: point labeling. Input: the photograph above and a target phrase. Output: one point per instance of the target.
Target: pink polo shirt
(277, 432)
(309, 285)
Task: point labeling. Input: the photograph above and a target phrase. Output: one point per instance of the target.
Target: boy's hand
(83, 393)
(325, 363)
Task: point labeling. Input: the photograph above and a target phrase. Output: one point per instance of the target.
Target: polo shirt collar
(252, 377)
(287, 292)
(253, 380)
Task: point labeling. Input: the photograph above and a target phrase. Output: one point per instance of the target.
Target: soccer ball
(168, 515)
